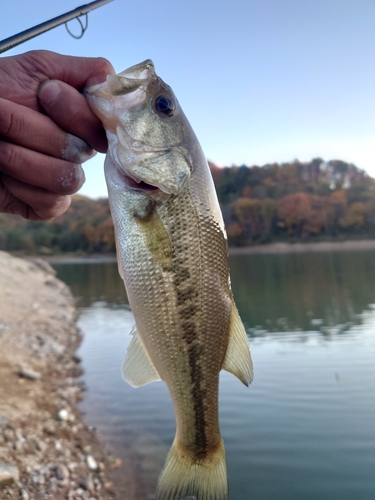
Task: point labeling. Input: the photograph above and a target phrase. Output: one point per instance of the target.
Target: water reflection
(303, 291)
(93, 280)
(324, 292)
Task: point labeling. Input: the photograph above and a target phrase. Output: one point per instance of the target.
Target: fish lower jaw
(159, 195)
(137, 184)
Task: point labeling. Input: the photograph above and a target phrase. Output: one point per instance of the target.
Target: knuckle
(9, 156)
(11, 123)
(72, 117)
(9, 204)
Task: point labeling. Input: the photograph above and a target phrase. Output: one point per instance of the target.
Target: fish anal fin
(238, 357)
(137, 368)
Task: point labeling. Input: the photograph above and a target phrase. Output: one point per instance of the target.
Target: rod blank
(15, 40)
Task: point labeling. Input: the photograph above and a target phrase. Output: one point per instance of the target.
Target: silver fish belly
(172, 254)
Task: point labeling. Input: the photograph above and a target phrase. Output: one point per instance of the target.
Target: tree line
(296, 201)
(85, 228)
(292, 201)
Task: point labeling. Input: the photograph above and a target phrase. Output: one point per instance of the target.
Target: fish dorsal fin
(238, 357)
(137, 368)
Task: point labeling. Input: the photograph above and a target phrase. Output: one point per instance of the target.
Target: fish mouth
(138, 185)
(151, 173)
(133, 78)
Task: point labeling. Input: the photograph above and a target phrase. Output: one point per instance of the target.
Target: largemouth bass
(173, 257)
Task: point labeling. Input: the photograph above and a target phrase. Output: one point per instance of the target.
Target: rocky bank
(47, 451)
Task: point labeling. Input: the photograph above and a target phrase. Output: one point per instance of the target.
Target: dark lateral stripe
(199, 394)
(187, 303)
(188, 308)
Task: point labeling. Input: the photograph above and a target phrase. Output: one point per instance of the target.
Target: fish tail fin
(184, 477)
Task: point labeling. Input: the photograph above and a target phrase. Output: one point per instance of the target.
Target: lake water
(304, 429)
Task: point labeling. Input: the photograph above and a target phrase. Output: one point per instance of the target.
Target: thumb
(77, 72)
(70, 111)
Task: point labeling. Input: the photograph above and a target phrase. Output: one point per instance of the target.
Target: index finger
(32, 130)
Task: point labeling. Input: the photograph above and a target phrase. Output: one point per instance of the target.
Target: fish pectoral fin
(137, 368)
(238, 357)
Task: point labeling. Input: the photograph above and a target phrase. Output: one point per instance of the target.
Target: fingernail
(76, 150)
(80, 175)
(48, 92)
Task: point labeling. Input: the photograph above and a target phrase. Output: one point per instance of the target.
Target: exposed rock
(89, 483)
(42, 264)
(40, 445)
(57, 348)
(63, 415)
(28, 373)
(4, 422)
(91, 463)
(62, 472)
(8, 474)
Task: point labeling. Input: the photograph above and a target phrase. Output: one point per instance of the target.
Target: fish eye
(164, 105)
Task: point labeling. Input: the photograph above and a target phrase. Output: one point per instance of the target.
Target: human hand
(40, 155)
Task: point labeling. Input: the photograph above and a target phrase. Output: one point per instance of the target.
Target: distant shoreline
(321, 246)
(271, 248)
(75, 259)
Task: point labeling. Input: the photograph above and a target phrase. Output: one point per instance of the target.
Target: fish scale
(173, 257)
(193, 335)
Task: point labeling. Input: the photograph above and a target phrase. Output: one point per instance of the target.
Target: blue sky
(260, 80)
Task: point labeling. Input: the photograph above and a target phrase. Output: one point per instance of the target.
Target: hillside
(292, 201)
(296, 201)
(86, 227)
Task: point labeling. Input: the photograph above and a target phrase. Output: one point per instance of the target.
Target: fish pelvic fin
(137, 368)
(238, 356)
(185, 477)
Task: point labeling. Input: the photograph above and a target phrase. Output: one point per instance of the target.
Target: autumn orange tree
(302, 214)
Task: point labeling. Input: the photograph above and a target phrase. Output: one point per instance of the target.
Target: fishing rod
(19, 38)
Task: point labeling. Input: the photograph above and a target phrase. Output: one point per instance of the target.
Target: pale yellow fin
(186, 478)
(238, 357)
(137, 368)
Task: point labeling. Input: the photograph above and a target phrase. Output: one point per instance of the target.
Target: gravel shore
(47, 451)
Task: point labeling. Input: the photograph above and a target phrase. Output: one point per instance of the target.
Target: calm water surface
(305, 429)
